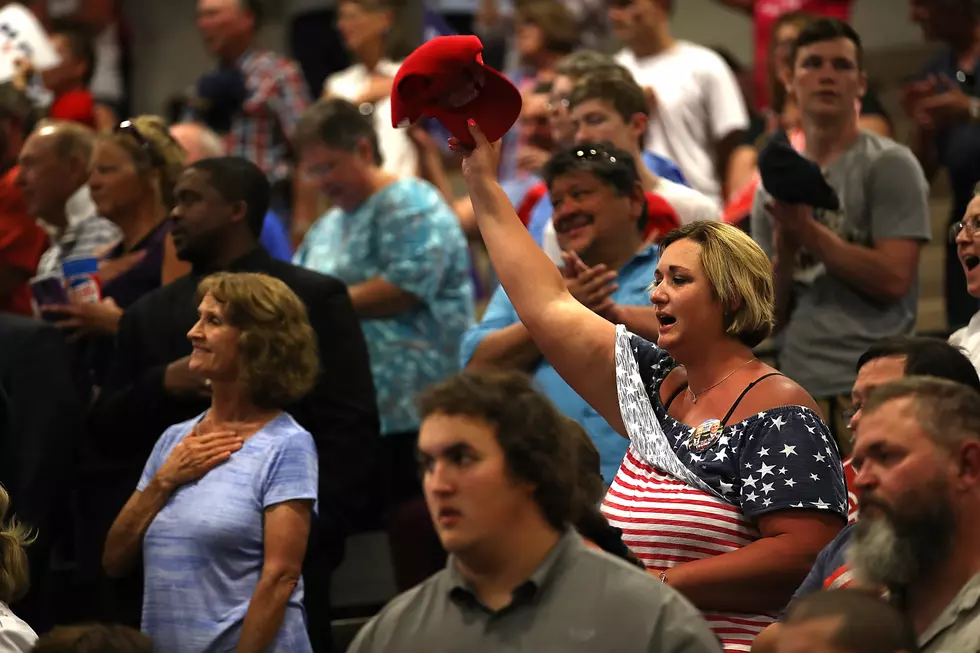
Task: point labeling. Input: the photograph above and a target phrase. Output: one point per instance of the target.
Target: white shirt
(968, 339)
(698, 104)
(689, 205)
(15, 635)
(400, 156)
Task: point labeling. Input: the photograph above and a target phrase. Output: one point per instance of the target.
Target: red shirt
(75, 105)
(22, 242)
(765, 15)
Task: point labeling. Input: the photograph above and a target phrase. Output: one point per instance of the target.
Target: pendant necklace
(694, 397)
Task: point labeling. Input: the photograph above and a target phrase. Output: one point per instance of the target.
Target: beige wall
(169, 56)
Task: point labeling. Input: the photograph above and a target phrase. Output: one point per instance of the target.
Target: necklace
(694, 397)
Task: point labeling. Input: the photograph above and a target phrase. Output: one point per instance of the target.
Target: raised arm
(576, 341)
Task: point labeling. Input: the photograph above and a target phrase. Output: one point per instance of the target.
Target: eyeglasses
(971, 224)
(559, 101)
(127, 127)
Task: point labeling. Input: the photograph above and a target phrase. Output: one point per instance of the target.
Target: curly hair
(153, 150)
(14, 536)
(277, 347)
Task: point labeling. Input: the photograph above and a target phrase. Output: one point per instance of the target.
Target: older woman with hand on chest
(222, 512)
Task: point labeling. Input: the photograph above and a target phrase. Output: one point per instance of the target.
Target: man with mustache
(598, 200)
(844, 562)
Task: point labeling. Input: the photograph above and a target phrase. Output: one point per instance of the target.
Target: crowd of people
(233, 337)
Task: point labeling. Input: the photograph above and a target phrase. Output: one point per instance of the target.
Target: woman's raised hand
(480, 162)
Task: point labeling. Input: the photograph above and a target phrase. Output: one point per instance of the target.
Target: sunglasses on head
(127, 127)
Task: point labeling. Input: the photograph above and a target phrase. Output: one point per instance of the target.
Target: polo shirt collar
(965, 601)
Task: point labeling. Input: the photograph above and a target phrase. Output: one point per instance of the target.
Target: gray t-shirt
(884, 195)
(578, 600)
(957, 629)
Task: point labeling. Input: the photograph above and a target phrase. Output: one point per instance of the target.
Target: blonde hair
(14, 570)
(167, 158)
(277, 347)
(740, 275)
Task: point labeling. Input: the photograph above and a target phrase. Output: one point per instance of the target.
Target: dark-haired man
(888, 360)
(69, 80)
(219, 209)
(843, 278)
(499, 479)
(598, 202)
(845, 621)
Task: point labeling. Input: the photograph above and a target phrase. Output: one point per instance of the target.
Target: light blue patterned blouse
(407, 235)
(203, 552)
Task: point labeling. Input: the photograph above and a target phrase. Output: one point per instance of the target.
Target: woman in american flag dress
(732, 483)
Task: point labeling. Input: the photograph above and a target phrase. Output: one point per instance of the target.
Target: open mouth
(575, 221)
(970, 261)
(665, 319)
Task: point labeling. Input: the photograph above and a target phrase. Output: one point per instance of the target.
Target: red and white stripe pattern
(666, 522)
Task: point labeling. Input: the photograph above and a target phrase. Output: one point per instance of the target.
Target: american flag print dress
(676, 504)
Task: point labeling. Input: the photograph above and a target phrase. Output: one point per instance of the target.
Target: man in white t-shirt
(966, 235)
(700, 113)
(613, 108)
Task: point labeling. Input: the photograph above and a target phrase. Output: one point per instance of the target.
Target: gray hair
(947, 411)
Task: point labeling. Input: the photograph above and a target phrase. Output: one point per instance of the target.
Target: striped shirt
(87, 234)
(683, 494)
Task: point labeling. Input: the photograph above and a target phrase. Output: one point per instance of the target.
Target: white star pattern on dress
(725, 487)
(778, 422)
(819, 457)
(790, 482)
(748, 465)
(696, 458)
(749, 481)
(820, 504)
(721, 455)
(766, 488)
(763, 451)
(765, 469)
(723, 440)
(798, 505)
(766, 502)
(788, 450)
(751, 496)
(814, 477)
(782, 470)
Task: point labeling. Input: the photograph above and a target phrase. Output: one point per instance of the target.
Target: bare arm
(377, 299)
(509, 348)
(723, 152)
(287, 529)
(641, 320)
(773, 566)
(741, 167)
(125, 538)
(539, 294)
(768, 639)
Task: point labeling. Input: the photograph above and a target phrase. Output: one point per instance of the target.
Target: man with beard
(598, 200)
(888, 360)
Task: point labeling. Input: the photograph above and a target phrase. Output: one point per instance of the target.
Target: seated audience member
(965, 234)
(69, 80)
(41, 418)
(15, 635)
(784, 115)
(614, 109)
(741, 446)
(590, 487)
(846, 621)
(53, 175)
(199, 142)
(569, 72)
(22, 240)
(598, 204)
(498, 470)
(132, 177)
(222, 573)
(845, 278)
(218, 213)
(95, 638)
(887, 360)
(402, 254)
(701, 116)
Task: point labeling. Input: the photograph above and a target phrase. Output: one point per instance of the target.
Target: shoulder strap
(681, 388)
(731, 410)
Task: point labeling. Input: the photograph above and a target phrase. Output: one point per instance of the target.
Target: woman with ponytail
(15, 635)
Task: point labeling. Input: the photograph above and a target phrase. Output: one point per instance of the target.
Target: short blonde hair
(14, 571)
(740, 274)
(277, 347)
(167, 157)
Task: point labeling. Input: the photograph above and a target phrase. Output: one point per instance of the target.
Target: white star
(748, 465)
(820, 504)
(778, 422)
(819, 457)
(797, 505)
(751, 496)
(765, 469)
(814, 477)
(725, 487)
(763, 451)
(781, 470)
(790, 482)
(749, 481)
(766, 502)
(696, 458)
(721, 455)
(788, 450)
(810, 429)
(723, 440)
(767, 488)
(762, 414)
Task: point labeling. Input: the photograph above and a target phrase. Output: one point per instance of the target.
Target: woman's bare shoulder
(780, 390)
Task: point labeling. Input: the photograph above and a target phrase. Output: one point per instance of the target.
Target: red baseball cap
(446, 79)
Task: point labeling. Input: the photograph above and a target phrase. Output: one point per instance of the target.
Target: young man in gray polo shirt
(498, 478)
